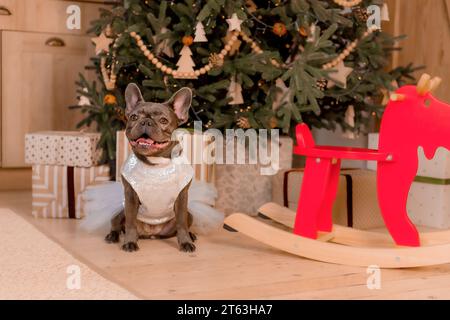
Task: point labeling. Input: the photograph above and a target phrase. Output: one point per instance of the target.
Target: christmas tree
(298, 60)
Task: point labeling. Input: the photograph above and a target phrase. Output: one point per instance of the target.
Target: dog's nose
(146, 122)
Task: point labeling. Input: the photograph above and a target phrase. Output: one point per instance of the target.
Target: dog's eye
(133, 117)
(163, 121)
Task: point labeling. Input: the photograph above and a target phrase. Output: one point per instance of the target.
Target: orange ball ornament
(187, 40)
(279, 29)
(303, 32)
(109, 99)
(273, 122)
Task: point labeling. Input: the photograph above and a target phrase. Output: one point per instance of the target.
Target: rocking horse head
(415, 118)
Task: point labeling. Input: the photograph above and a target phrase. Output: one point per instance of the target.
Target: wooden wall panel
(427, 25)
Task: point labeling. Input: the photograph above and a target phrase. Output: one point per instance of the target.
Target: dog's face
(150, 125)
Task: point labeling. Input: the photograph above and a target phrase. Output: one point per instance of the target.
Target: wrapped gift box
(193, 144)
(429, 202)
(67, 148)
(373, 144)
(438, 167)
(56, 190)
(338, 137)
(356, 203)
(366, 210)
(242, 187)
(429, 196)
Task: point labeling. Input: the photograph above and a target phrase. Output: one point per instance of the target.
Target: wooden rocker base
(351, 236)
(346, 246)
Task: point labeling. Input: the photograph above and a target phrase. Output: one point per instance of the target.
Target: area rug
(34, 267)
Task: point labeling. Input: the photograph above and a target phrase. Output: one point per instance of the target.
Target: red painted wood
(312, 196)
(304, 137)
(342, 153)
(416, 121)
(406, 125)
(325, 218)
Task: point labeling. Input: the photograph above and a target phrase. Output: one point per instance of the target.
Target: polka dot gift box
(429, 197)
(68, 148)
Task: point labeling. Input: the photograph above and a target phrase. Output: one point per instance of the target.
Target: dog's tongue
(145, 140)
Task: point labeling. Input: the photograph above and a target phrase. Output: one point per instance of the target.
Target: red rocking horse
(412, 118)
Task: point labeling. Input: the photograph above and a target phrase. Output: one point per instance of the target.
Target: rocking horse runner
(412, 118)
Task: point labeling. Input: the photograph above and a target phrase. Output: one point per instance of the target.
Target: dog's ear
(133, 97)
(180, 103)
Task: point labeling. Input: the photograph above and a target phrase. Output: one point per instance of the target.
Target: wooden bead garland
(256, 49)
(347, 3)
(203, 70)
(108, 78)
(216, 58)
(344, 54)
(220, 56)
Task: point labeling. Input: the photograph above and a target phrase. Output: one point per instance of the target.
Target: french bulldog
(149, 130)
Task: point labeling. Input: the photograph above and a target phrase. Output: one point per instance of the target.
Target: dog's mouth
(146, 142)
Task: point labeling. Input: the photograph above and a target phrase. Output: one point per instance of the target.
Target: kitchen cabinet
(40, 61)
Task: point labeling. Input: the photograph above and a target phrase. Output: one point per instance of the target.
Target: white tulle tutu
(105, 201)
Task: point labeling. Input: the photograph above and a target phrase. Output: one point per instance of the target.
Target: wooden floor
(228, 266)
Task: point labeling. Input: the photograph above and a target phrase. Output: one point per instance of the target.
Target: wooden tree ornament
(163, 46)
(350, 121)
(282, 96)
(200, 35)
(235, 92)
(185, 65)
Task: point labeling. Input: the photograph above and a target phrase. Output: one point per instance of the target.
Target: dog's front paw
(112, 237)
(187, 247)
(130, 247)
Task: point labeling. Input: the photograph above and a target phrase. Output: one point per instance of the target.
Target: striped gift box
(356, 203)
(56, 190)
(193, 146)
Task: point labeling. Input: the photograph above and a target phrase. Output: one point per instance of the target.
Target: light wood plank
(404, 257)
(351, 236)
(225, 266)
(427, 25)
